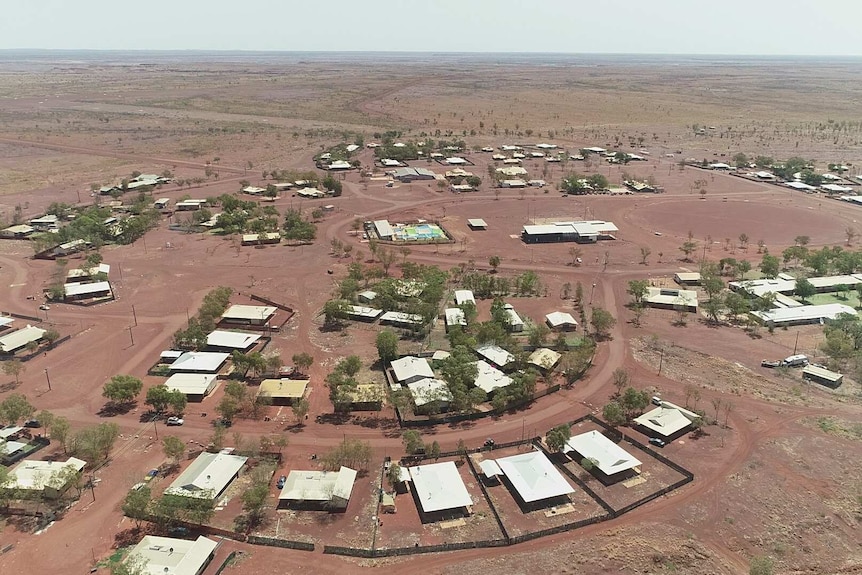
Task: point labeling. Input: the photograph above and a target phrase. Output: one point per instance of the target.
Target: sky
(733, 27)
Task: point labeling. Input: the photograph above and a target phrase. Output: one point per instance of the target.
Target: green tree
(122, 389)
(633, 402)
(158, 397)
(494, 262)
(59, 430)
(300, 410)
(335, 312)
(254, 500)
(13, 367)
(688, 247)
(228, 407)
(770, 266)
(602, 322)
(412, 441)
(15, 408)
(761, 565)
(804, 289)
(136, 504)
(393, 474)
(614, 414)
(638, 289)
(557, 437)
(620, 379)
(350, 365)
(387, 346)
(174, 448)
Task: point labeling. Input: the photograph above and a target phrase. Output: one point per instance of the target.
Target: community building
(255, 315)
(439, 491)
(170, 556)
(666, 422)
(610, 462)
(534, 481)
(208, 476)
(669, 298)
(195, 386)
(283, 391)
(573, 231)
(413, 174)
(318, 490)
(806, 314)
(18, 339)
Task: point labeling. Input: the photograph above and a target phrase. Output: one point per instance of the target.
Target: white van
(795, 361)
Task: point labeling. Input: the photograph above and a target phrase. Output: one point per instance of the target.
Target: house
(533, 480)
(408, 369)
(461, 188)
(51, 478)
(19, 232)
(85, 275)
(802, 186)
(367, 397)
(455, 161)
(495, 355)
(561, 321)
(366, 296)
(12, 342)
(81, 291)
(572, 231)
(407, 175)
(261, 239)
(463, 296)
(675, 299)
(339, 165)
(167, 555)
(390, 163)
(253, 190)
(454, 316)
(516, 324)
(283, 391)
(195, 386)
(822, 376)
(477, 224)
(220, 340)
(400, 319)
(363, 313)
(610, 462)
(440, 491)
(513, 184)
(258, 315)
(208, 476)
(545, 359)
(310, 193)
(199, 362)
(513, 172)
(667, 422)
(430, 395)
(489, 379)
(47, 222)
(687, 278)
(801, 315)
(457, 173)
(190, 205)
(536, 183)
(318, 490)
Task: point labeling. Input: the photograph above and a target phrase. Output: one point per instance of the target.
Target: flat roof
(401, 317)
(363, 311)
(671, 296)
(191, 383)
(687, 276)
(9, 431)
(609, 457)
(439, 486)
(207, 476)
(283, 388)
(667, 419)
(36, 475)
(162, 555)
(200, 361)
(821, 373)
(410, 367)
(463, 296)
(428, 390)
(489, 378)
(580, 228)
(250, 312)
(321, 486)
(477, 223)
(5, 320)
(534, 477)
(21, 337)
(74, 289)
(804, 313)
(383, 228)
(495, 354)
(544, 358)
(232, 339)
(490, 468)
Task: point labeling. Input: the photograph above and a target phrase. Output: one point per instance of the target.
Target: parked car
(795, 361)
(656, 441)
(175, 421)
(770, 363)
(281, 481)
(489, 442)
(44, 307)
(656, 400)
(32, 423)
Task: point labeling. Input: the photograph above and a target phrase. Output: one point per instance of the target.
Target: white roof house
(495, 354)
(800, 186)
(429, 390)
(513, 171)
(515, 321)
(33, 475)
(411, 368)
(671, 298)
(667, 419)
(366, 296)
(19, 338)
(608, 457)
(208, 476)
(86, 289)
(439, 487)
(232, 339)
(363, 312)
(322, 487)
(166, 555)
(199, 362)
(340, 165)
(835, 188)
(463, 296)
(383, 229)
(803, 314)
(534, 477)
(489, 378)
(455, 161)
(544, 358)
(4, 321)
(401, 318)
(455, 316)
(253, 190)
(490, 468)
(249, 313)
(560, 320)
(192, 383)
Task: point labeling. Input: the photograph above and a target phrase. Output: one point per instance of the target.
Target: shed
(822, 375)
(561, 321)
(477, 224)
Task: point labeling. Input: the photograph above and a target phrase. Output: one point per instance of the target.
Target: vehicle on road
(795, 361)
(657, 442)
(175, 421)
(489, 442)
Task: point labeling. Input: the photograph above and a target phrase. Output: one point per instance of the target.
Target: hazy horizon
(796, 28)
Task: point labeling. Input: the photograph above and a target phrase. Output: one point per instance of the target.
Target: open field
(67, 125)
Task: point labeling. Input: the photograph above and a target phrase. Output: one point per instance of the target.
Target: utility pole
(155, 428)
(48, 378)
(795, 345)
(132, 337)
(134, 315)
(660, 361)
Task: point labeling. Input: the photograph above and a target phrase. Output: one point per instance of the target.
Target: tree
(576, 254)
(334, 312)
(300, 410)
(602, 322)
(538, 335)
(228, 407)
(688, 247)
(494, 262)
(387, 346)
(158, 397)
(350, 365)
(804, 289)
(614, 414)
(15, 408)
(302, 361)
(254, 500)
(137, 503)
(351, 453)
(761, 565)
(769, 266)
(557, 437)
(122, 389)
(393, 474)
(412, 441)
(638, 289)
(433, 450)
(94, 444)
(645, 253)
(633, 402)
(174, 448)
(13, 367)
(621, 379)
(59, 431)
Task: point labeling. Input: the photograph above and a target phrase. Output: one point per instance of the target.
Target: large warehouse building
(584, 232)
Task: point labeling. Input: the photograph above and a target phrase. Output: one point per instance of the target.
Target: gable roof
(428, 390)
(19, 338)
(558, 318)
(534, 477)
(232, 339)
(207, 361)
(609, 457)
(411, 367)
(208, 475)
(489, 378)
(320, 486)
(439, 486)
(174, 556)
(191, 383)
(36, 475)
(544, 358)
(495, 354)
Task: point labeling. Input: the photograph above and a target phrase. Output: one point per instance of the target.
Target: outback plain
(776, 481)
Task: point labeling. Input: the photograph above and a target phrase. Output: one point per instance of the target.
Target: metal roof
(609, 457)
(439, 486)
(534, 477)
